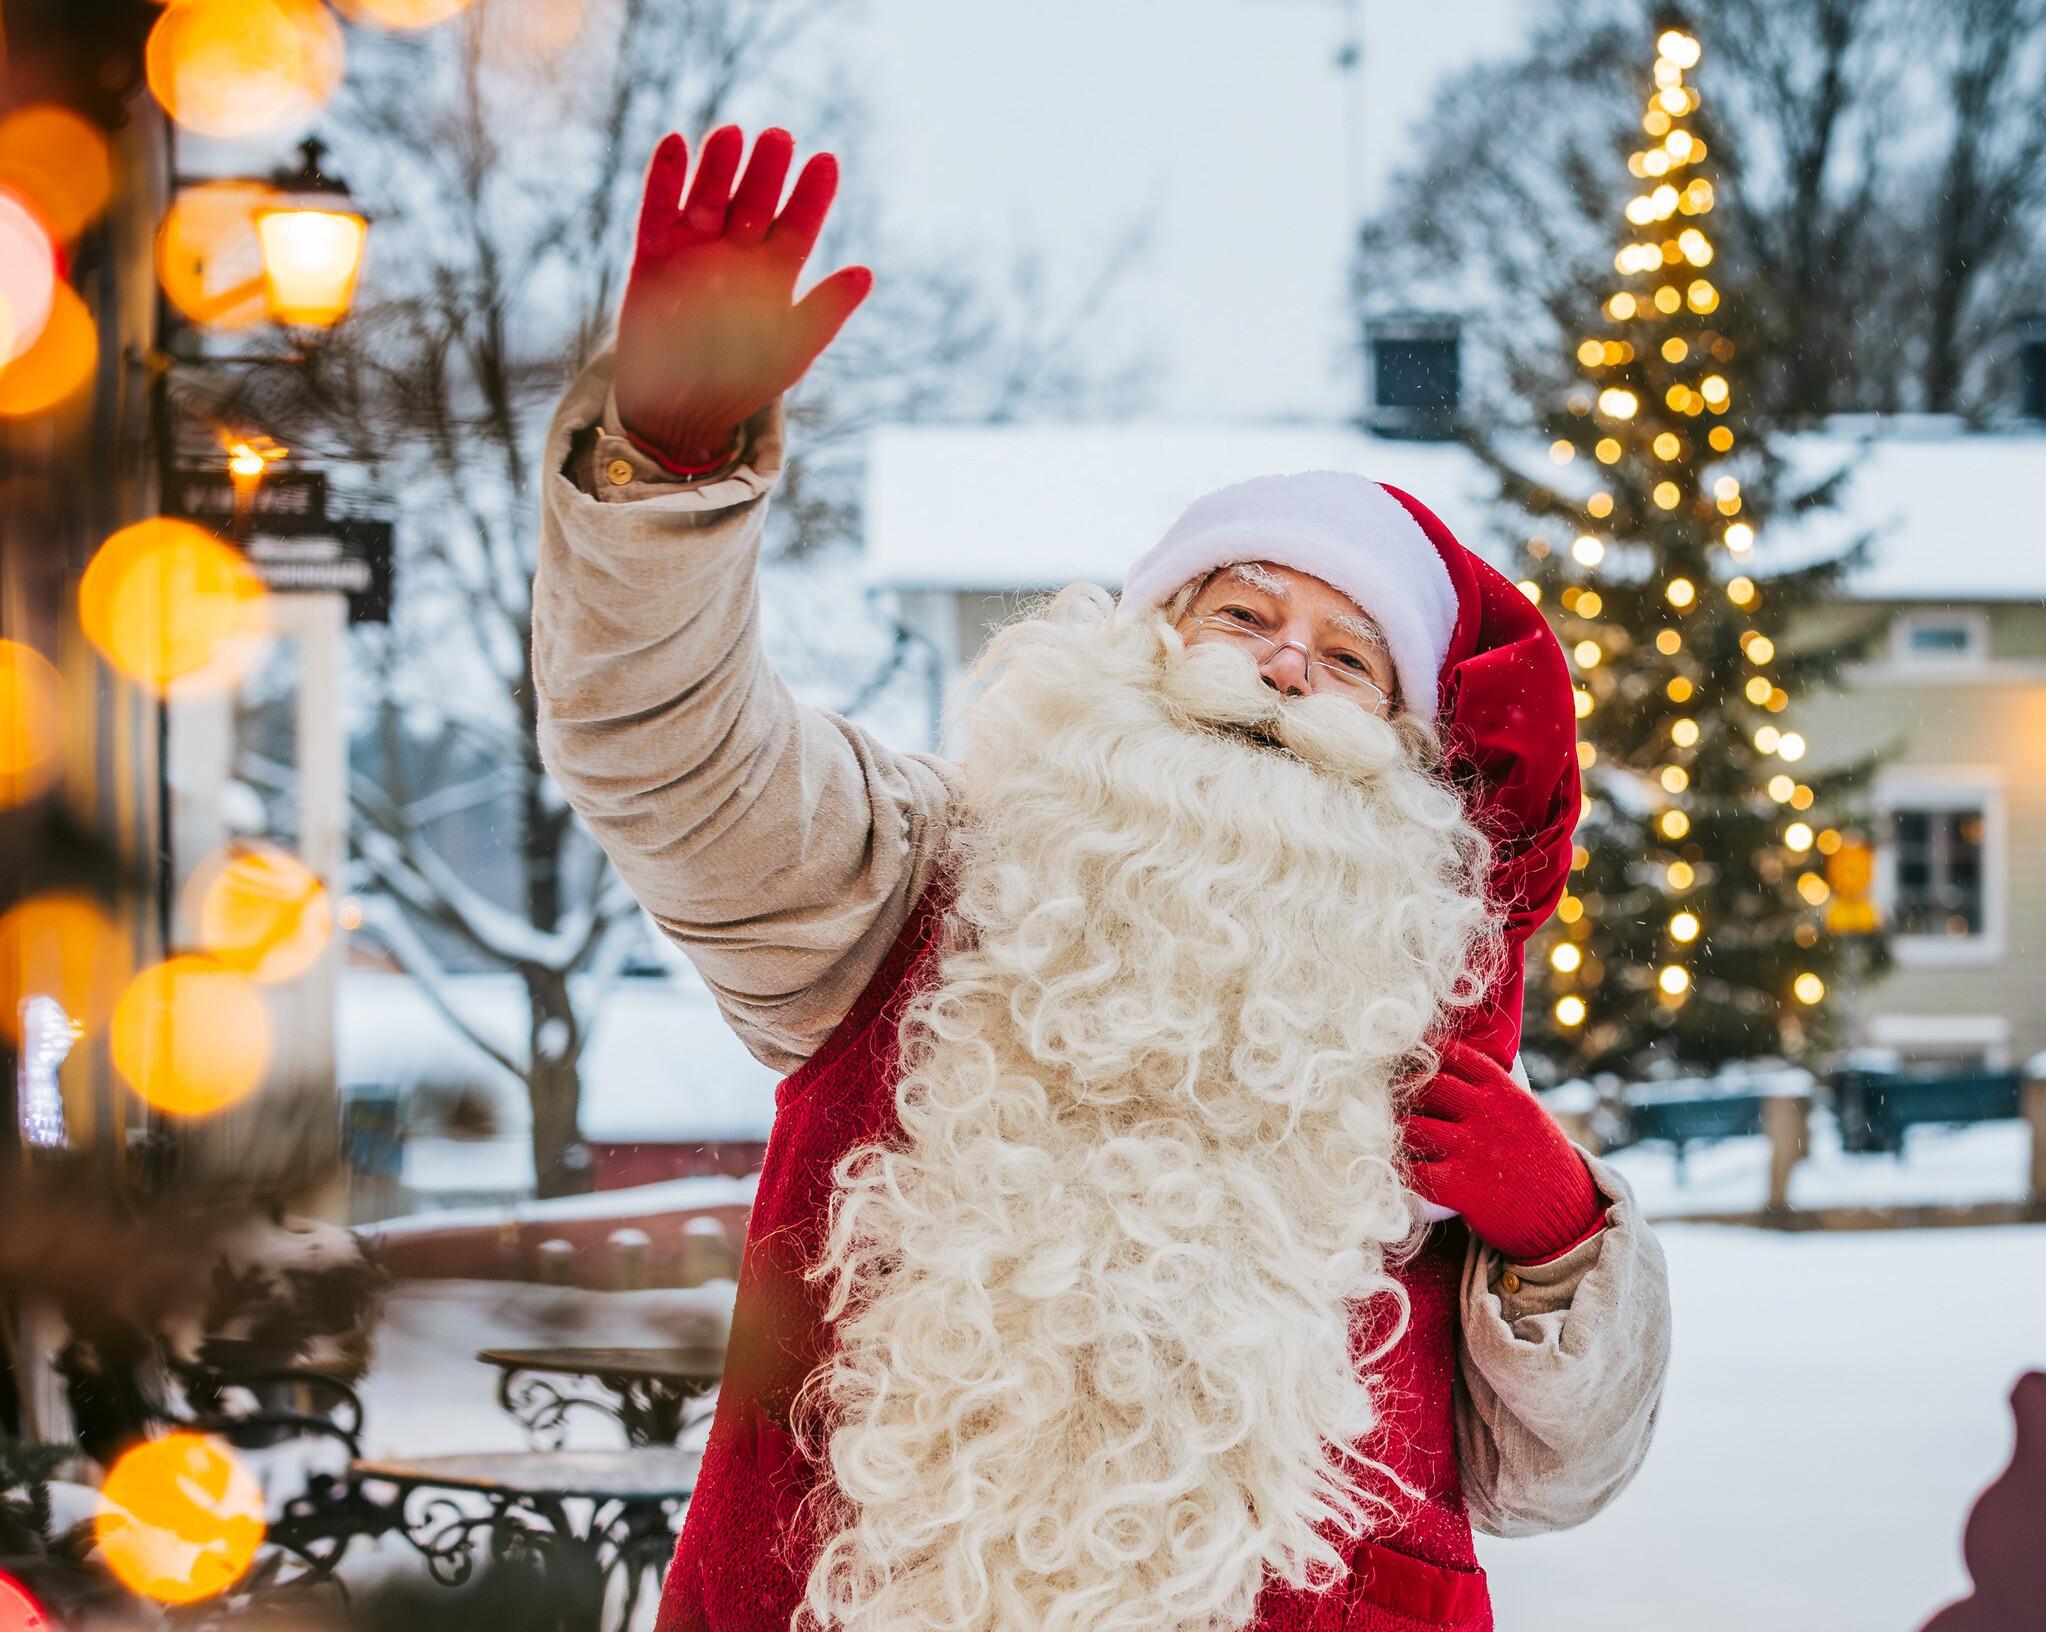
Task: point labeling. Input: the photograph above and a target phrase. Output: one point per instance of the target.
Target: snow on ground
(635, 1201)
(1988, 1161)
(1835, 1404)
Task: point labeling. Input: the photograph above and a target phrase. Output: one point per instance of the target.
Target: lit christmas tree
(1696, 928)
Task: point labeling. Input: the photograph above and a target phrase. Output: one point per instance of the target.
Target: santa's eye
(1242, 614)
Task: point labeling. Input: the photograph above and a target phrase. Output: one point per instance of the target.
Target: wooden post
(2032, 1099)
(1786, 1120)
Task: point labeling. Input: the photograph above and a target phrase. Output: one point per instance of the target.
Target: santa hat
(1348, 531)
(1471, 652)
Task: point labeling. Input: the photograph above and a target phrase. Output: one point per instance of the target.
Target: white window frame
(1945, 1035)
(1947, 788)
(1973, 621)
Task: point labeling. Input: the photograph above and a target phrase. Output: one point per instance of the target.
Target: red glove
(1483, 1145)
(707, 334)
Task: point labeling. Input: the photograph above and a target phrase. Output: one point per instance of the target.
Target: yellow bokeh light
(1680, 689)
(1669, 642)
(1608, 451)
(1667, 299)
(209, 255)
(1582, 703)
(31, 723)
(60, 946)
(1694, 247)
(1757, 689)
(1587, 653)
(191, 1037)
(1667, 445)
(1569, 909)
(1587, 756)
(1616, 403)
(1673, 980)
(1675, 779)
(1599, 505)
(1674, 824)
(1714, 389)
(1684, 927)
(1721, 438)
(1531, 589)
(1681, 875)
(1559, 450)
(1679, 47)
(1781, 788)
(1570, 1010)
(1566, 957)
(1740, 538)
(166, 601)
(1801, 797)
(260, 911)
(179, 1518)
(241, 67)
(1620, 307)
(1684, 733)
(1791, 746)
(59, 163)
(1759, 648)
(1808, 988)
(1813, 888)
(1766, 739)
(1798, 836)
(1590, 603)
(58, 366)
(1741, 591)
(1701, 296)
(1587, 550)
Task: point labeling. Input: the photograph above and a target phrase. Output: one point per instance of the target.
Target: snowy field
(1988, 1161)
(1835, 1404)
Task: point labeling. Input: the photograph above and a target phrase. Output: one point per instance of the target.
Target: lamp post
(313, 240)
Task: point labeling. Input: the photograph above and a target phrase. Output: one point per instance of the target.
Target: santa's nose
(1285, 671)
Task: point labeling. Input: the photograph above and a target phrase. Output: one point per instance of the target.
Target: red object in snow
(2005, 1542)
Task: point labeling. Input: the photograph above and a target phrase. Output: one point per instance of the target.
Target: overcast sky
(1063, 120)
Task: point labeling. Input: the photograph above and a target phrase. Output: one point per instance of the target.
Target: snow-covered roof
(662, 1065)
(1038, 506)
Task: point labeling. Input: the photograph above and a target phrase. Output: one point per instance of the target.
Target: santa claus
(1154, 1234)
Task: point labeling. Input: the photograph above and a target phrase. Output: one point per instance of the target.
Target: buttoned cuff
(614, 470)
(1538, 1288)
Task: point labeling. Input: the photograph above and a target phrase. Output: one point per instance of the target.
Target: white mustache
(1215, 686)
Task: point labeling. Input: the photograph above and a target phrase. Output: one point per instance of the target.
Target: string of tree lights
(1693, 931)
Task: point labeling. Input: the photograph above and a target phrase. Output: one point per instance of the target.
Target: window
(1940, 876)
(1939, 639)
(1939, 872)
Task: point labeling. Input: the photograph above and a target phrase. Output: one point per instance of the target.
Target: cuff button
(1509, 1282)
(619, 471)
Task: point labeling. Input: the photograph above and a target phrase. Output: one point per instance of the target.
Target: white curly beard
(1094, 1308)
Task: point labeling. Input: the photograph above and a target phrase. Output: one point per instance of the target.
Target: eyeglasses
(1322, 675)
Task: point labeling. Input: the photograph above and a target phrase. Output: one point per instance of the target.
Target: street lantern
(312, 243)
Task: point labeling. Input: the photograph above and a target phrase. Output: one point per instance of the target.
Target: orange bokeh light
(401, 13)
(60, 946)
(57, 366)
(165, 601)
(209, 257)
(261, 912)
(191, 1037)
(28, 277)
(19, 1612)
(31, 723)
(241, 67)
(536, 30)
(179, 1518)
(59, 163)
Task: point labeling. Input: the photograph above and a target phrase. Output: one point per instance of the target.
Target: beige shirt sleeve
(1562, 1367)
(780, 846)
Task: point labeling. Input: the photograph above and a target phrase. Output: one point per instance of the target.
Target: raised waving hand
(710, 331)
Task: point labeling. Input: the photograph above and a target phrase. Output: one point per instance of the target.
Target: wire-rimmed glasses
(1322, 675)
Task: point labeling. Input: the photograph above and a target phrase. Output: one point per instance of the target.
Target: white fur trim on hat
(1345, 530)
